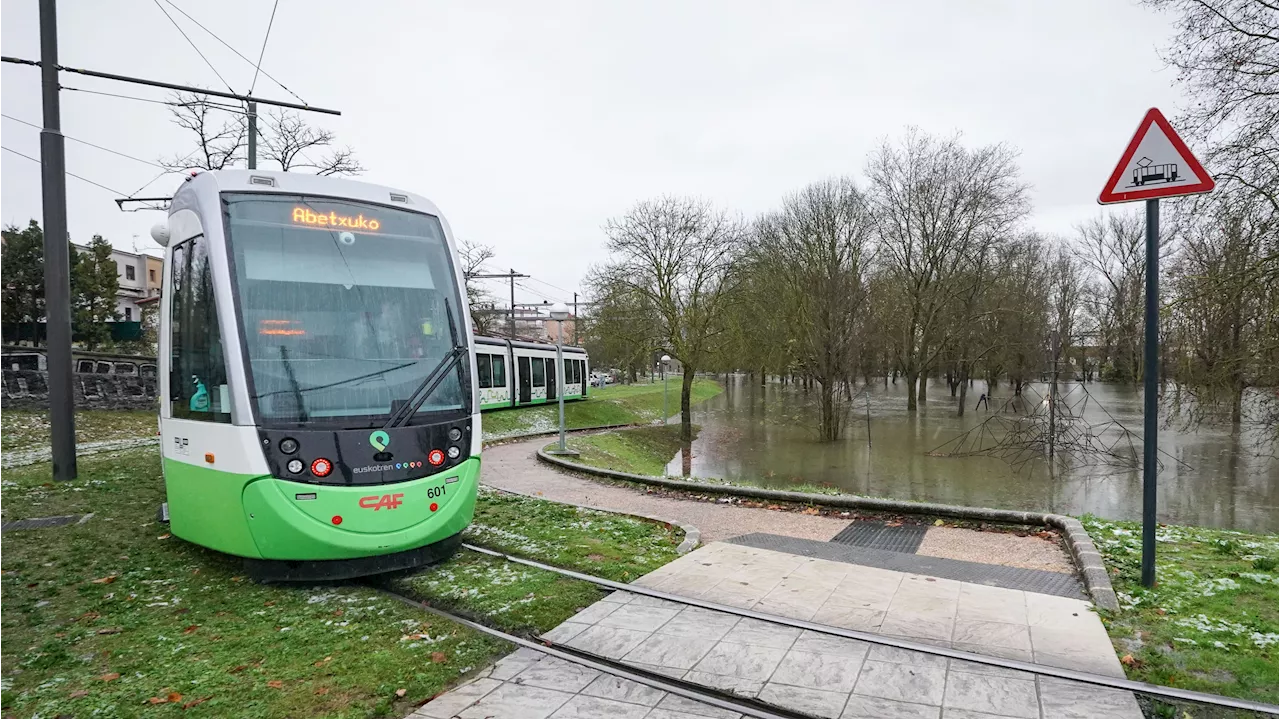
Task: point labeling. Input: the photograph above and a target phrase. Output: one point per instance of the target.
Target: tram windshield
(345, 308)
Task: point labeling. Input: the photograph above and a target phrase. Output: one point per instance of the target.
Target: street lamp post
(665, 413)
(560, 313)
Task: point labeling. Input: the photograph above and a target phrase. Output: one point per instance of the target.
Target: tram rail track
(755, 708)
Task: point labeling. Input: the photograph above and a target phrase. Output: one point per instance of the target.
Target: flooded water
(1209, 477)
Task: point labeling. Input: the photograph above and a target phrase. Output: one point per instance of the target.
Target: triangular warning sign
(1156, 163)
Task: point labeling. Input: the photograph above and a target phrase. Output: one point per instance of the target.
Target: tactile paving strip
(41, 523)
(879, 535)
(993, 575)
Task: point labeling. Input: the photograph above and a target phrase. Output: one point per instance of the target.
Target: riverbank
(154, 620)
(1210, 624)
(615, 404)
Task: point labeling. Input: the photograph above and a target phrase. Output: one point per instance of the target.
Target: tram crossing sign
(1157, 163)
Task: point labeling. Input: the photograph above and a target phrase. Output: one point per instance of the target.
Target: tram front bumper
(294, 521)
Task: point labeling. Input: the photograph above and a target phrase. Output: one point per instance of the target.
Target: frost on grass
(1201, 588)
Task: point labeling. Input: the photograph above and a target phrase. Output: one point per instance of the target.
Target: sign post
(1156, 163)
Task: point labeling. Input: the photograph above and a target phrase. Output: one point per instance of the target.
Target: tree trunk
(686, 418)
(951, 383)
(964, 390)
(828, 423)
(911, 390)
(923, 392)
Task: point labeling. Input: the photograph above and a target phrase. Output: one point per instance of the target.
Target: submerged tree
(676, 255)
(813, 253)
(939, 207)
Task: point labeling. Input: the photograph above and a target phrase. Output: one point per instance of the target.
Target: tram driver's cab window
(198, 374)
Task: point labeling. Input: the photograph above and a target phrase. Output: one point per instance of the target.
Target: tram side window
(482, 371)
(499, 370)
(539, 378)
(198, 377)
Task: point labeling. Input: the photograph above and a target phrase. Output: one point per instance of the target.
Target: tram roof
(503, 342)
(296, 183)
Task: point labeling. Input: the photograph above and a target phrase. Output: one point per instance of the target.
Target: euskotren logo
(380, 440)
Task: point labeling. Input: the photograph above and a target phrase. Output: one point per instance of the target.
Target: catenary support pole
(57, 267)
(253, 135)
(1150, 405)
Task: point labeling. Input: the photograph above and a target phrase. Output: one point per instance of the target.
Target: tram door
(526, 382)
(551, 379)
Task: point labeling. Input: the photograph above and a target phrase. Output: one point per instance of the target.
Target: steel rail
(1012, 664)
(679, 687)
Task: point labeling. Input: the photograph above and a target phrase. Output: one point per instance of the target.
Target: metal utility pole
(1053, 392)
(1150, 405)
(253, 135)
(513, 276)
(575, 318)
(57, 268)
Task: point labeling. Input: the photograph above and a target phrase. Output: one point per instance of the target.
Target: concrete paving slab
(808, 671)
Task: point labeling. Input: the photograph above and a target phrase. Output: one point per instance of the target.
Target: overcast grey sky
(530, 124)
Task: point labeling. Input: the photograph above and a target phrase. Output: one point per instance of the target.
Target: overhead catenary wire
(170, 103)
(193, 46)
(90, 144)
(262, 53)
(258, 65)
(69, 174)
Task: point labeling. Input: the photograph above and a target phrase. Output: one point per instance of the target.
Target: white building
(131, 269)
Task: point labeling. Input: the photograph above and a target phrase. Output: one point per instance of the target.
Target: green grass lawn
(29, 429)
(116, 618)
(1210, 624)
(617, 404)
(642, 450)
(523, 599)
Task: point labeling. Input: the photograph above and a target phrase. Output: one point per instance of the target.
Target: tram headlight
(321, 467)
(453, 452)
(435, 457)
(455, 434)
(289, 445)
(295, 466)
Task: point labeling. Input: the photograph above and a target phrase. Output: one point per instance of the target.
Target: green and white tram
(515, 373)
(317, 412)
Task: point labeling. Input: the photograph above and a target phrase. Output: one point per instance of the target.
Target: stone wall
(24, 389)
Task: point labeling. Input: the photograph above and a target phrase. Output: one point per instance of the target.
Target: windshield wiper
(293, 382)
(427, 387)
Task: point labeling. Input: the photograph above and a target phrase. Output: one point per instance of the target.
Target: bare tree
(481, 302)
(938, 206)
(220, 136)
(815, 250)
(1223, 312)
(285, 139)
(1113, 248)
(676, 255)
(1225, 54)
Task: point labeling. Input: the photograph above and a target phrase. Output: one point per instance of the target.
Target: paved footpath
(513, 467)
(804, 671)
(808, 672)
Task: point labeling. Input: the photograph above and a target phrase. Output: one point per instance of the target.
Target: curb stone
(1085, 556)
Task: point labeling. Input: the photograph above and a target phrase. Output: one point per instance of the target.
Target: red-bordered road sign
(1157, 163)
